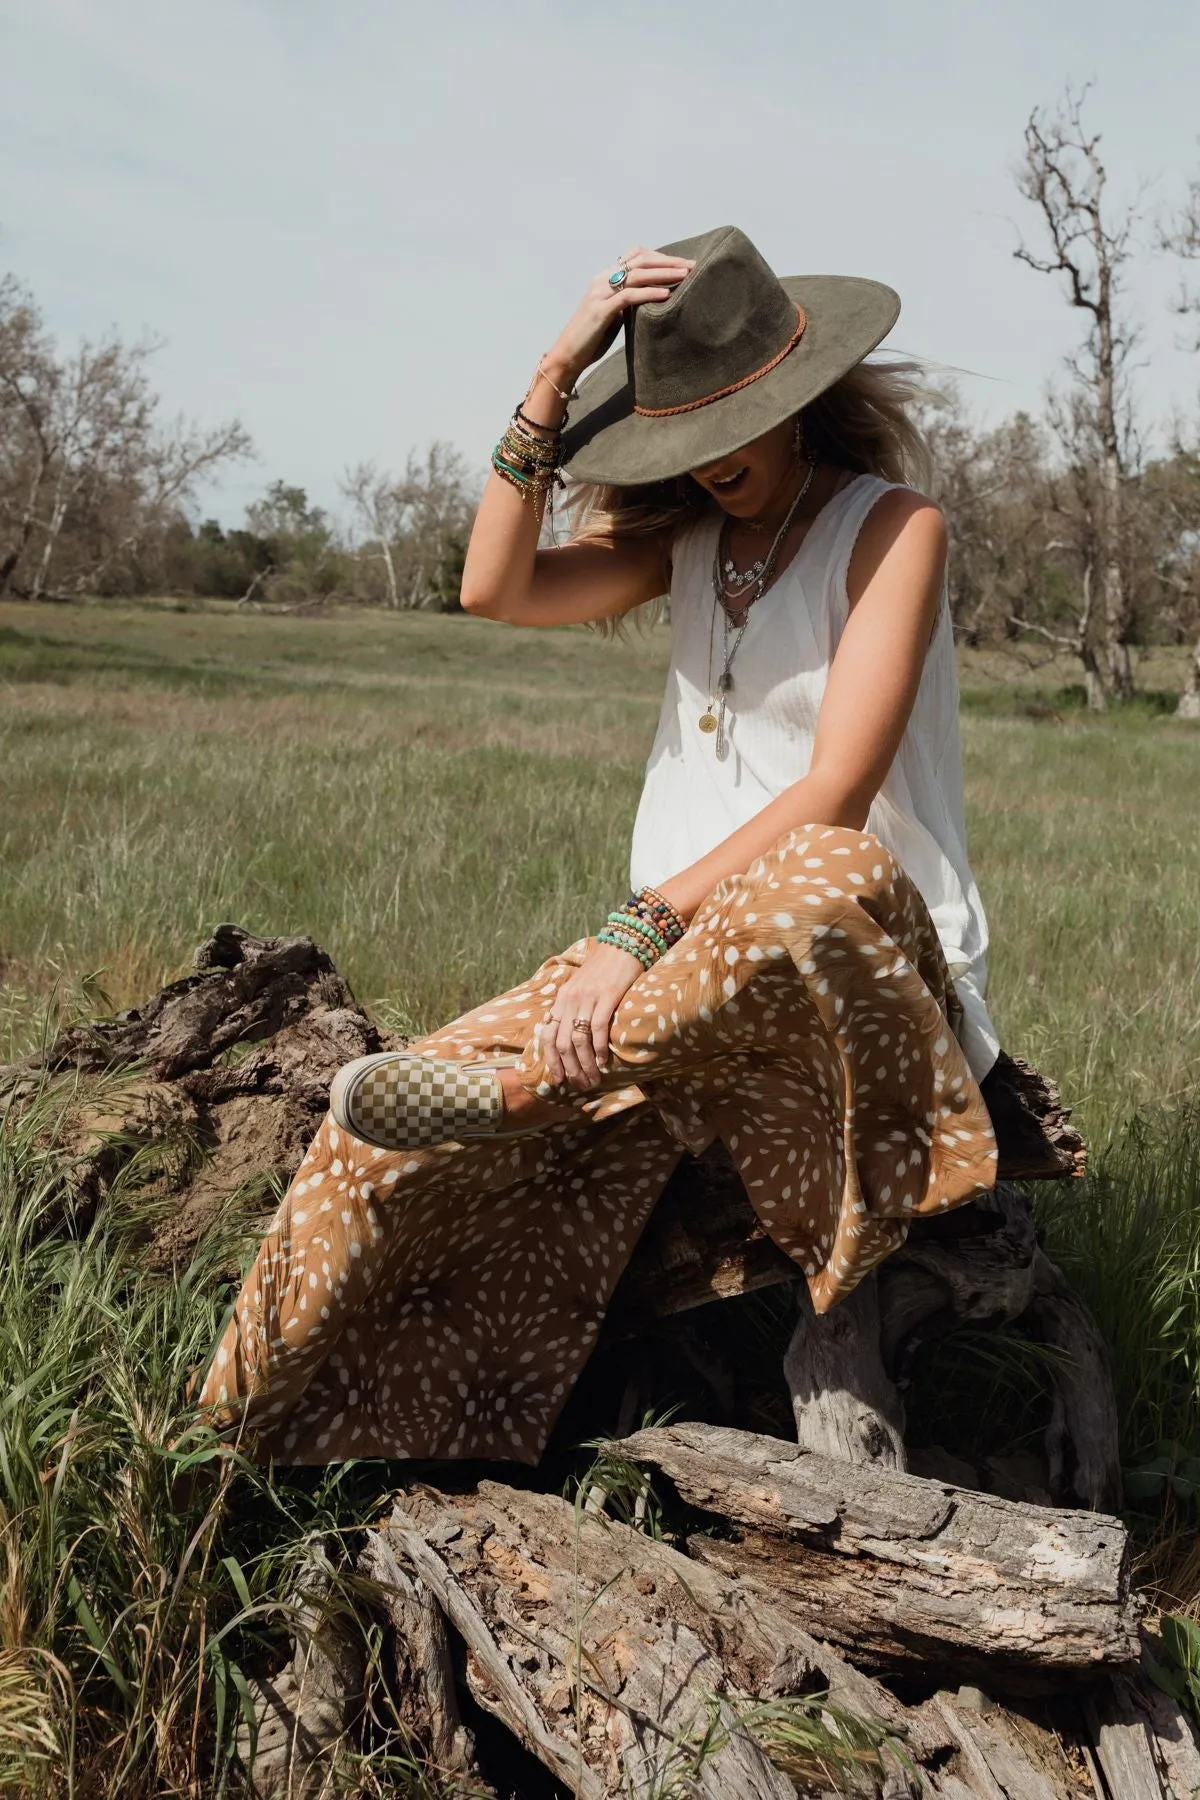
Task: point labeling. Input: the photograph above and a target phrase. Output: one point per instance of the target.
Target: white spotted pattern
(458, 1291)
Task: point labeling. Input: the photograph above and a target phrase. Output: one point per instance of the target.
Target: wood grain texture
(425, 1696)
(582, 1631)
(902, 1569)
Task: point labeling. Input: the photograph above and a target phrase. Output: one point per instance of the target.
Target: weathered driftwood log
(424, 1695)
(304, 1713)
(615, 1659)
(979, 1266)
(627, 1667)
(234, 1061)
(845, 1403)
(901, 1570)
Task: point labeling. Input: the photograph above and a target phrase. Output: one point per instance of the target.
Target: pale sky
(357, 225)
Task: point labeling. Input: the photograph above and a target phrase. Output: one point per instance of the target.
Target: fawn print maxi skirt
(440, 1303)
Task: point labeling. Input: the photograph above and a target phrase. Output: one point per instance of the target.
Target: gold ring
(581, 1024)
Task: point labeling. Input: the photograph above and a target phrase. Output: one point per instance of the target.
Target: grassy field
(439, 801)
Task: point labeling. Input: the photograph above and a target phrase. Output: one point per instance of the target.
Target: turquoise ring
(618, 278)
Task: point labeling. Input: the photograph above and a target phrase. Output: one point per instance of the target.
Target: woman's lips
(728, 484)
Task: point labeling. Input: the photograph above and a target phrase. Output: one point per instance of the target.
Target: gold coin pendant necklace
(713, 717)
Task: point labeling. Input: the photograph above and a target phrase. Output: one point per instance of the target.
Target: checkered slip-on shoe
(398, 1101)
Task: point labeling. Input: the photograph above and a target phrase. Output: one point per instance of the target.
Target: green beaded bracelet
(626, 941)
(642, 952)
(634, 922)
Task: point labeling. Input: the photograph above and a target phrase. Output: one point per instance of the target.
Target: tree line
(98, 491)
(1067, 531)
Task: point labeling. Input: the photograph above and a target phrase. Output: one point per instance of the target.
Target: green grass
(439, 802)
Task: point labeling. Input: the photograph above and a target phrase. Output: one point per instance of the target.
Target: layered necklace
(748, 585)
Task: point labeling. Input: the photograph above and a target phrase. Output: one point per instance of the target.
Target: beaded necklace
(709, 720)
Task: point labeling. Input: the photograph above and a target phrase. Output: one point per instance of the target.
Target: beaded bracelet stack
(528, 456)
(646, 926)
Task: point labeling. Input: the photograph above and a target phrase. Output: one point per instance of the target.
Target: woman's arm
(895, 587)
(571, 584)
(505, 575)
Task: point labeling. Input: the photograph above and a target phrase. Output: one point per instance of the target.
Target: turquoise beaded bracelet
(633, 922)
(644, 954)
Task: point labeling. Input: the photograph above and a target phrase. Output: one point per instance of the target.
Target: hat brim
(607, 442)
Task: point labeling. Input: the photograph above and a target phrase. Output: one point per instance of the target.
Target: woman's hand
(651, 275)
(574, 1038)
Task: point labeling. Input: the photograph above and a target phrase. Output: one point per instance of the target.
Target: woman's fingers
(568, 1050)
(659, 259)
(601, 1021)
(628, 297)
(645, 268)
(653, 277)
(573, 1054)
(584, 1047)
(549, 1050)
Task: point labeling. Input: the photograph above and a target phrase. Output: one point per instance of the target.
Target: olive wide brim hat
(733, 351)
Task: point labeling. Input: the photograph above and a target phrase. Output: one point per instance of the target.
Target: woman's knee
(832, 859)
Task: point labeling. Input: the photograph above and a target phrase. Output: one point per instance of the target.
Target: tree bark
(612, 1656)
(426, 1700)
(1189, 699)
(304, 1714)
(844, 1402)
(906, 1571)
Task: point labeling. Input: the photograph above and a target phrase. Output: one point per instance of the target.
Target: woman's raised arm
(505, 575)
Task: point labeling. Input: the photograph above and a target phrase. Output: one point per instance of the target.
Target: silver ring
(618, 278)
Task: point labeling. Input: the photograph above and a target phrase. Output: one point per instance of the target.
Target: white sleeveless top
(691, 801)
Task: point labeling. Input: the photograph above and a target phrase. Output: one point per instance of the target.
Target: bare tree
(87, 471)
(1181, 237)
(417, 525)
(377, 506)
(27, 379)
(1088, 245)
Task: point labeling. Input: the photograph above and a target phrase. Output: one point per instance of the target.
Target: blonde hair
(862, 423)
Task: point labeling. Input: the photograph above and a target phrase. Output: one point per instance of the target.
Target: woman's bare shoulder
(905, 524)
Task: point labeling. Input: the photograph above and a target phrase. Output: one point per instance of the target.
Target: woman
(780, 976)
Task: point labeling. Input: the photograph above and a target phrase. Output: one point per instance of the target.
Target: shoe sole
(401, 1102)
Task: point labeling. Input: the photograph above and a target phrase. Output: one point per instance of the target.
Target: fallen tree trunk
(904, 1571)
(627, 1667)
(981, 1266)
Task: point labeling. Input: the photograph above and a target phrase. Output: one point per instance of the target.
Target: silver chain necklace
(762, 572)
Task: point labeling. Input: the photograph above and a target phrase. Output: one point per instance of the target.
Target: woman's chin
(742, 505)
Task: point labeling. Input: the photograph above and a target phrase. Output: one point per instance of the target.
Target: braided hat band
(666, 412)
